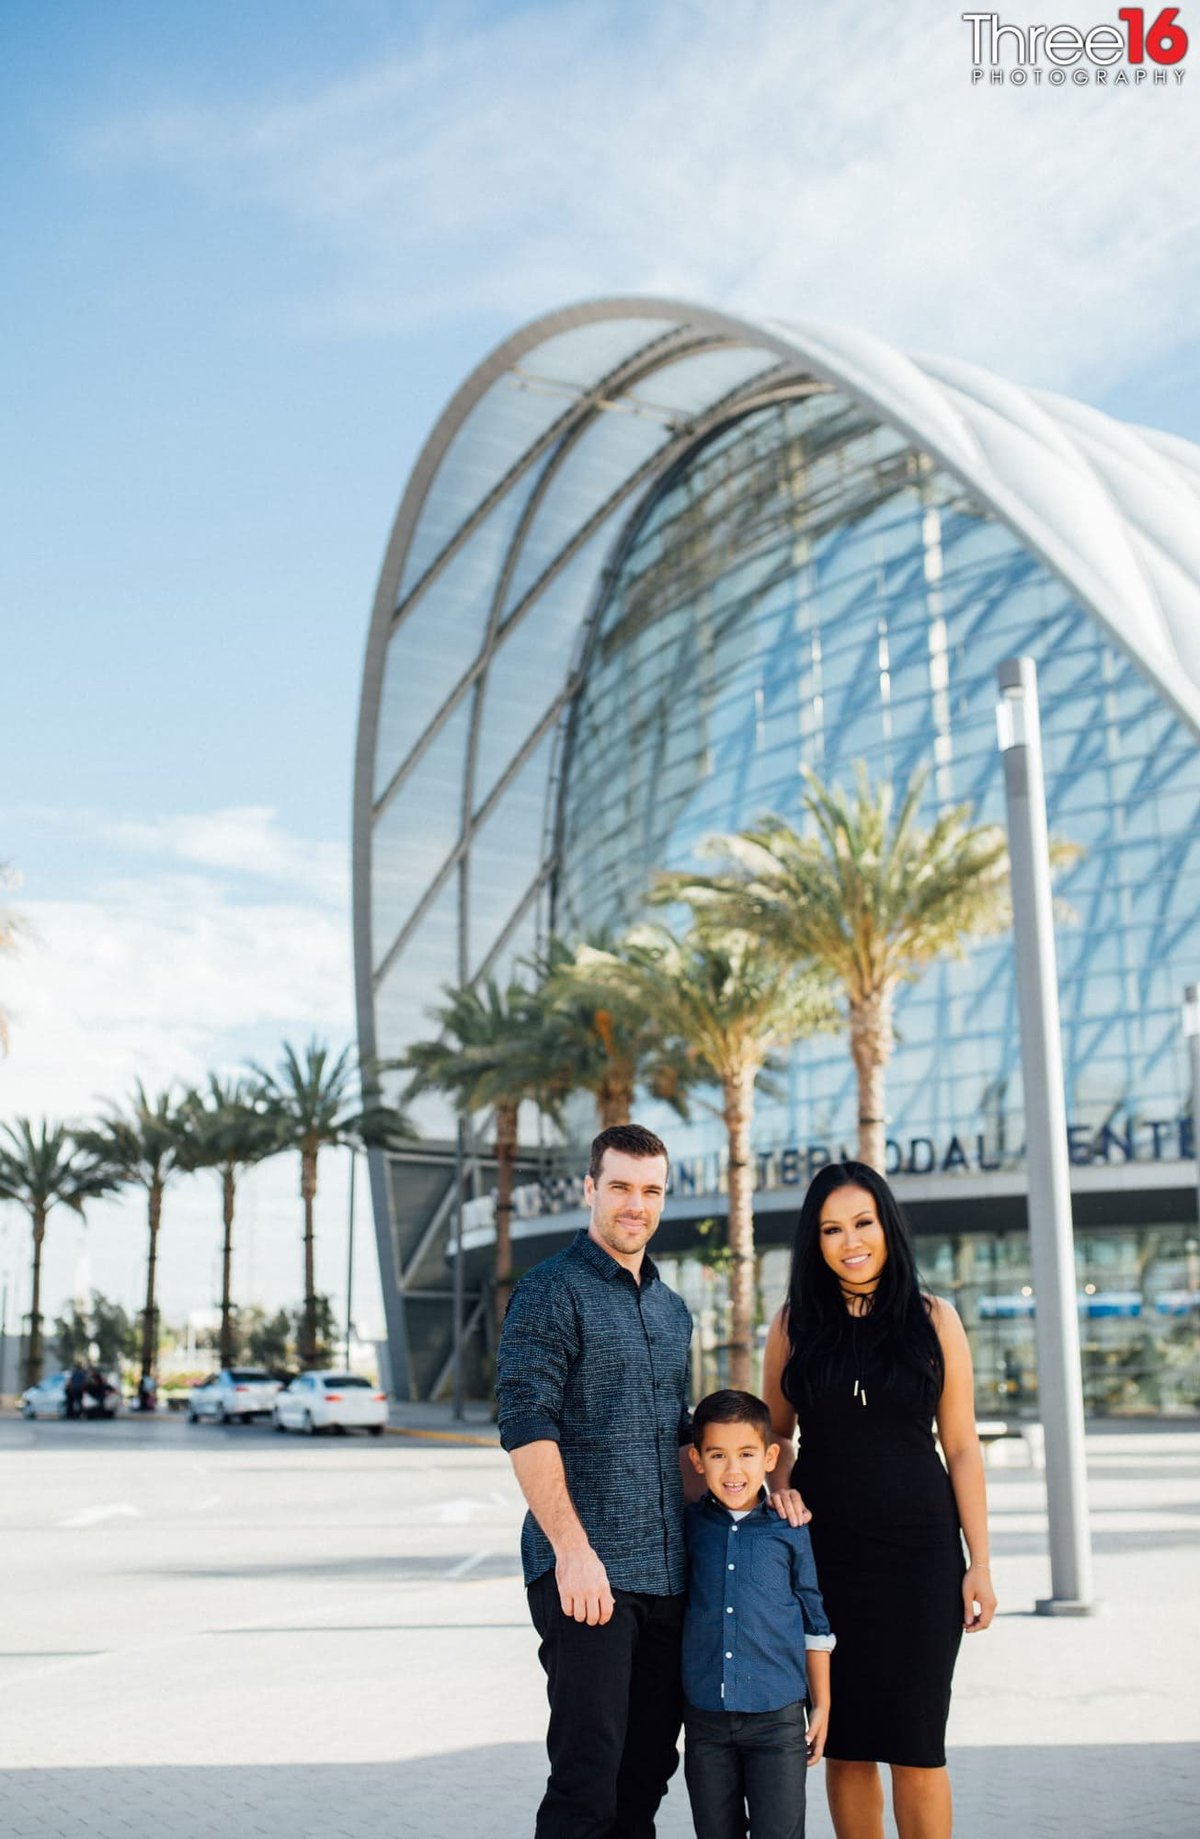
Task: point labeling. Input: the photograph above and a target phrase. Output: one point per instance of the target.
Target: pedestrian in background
(76, 1387)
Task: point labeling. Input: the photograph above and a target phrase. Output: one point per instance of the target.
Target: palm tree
(602, 1042)
(228, 1129)
(721, 993)
(868, 897)
(143, 1146)
(310, 1101)
(41, 1168)
(490, 1055)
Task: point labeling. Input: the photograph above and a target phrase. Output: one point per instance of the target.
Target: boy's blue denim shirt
(753, 1608)
(596, 1362)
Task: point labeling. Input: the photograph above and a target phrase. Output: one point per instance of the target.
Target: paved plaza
(218, 1630)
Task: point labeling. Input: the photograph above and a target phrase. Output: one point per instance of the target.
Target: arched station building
(654, 559)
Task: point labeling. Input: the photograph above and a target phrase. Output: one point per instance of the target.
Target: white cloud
(161, 977)
(814, 161)
(246, 839)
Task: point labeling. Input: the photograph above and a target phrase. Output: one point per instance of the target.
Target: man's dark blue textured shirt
(753, 1608)
(597, 1362)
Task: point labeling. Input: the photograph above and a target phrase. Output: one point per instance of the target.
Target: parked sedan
(48, 1399)
(243, 1392)
(331, 1401)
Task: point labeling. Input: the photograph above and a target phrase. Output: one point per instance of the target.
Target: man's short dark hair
(627, 1140)
(731, 1408)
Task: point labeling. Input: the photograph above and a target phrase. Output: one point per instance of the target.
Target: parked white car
(243, 1392)
(331, 1401)
(48, 1399)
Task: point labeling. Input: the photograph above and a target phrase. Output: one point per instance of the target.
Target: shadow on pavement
(1103, 1791)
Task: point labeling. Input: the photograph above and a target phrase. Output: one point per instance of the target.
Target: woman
(864, 1361)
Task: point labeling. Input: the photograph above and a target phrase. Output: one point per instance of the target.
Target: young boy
(753, 1611)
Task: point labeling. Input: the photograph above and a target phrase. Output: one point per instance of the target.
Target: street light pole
(1191, 1030)
(459, 1264)
(350, 1257)
(1052, 1249)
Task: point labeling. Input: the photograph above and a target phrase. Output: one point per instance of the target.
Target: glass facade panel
(1138, 1290)
(581, 357)
(596, 467)
(511, 417)
(810, 590)
(417, 831)
(503, 424)
(692, 384)
(437, 640)
(528, 671)
(404, 998)
(506, 853)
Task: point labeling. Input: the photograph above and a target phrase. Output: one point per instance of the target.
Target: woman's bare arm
(964, 1460)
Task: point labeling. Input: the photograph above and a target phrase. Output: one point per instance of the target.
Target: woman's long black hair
(818, 1320)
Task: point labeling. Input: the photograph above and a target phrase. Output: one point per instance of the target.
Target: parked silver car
(236, 1392)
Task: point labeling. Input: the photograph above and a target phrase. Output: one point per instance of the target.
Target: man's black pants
(747, 1762)
(616, 1705)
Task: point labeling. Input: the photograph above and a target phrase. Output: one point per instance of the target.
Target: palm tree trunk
(228, 1189)
(614, 1094)
(33, 1356)
(506, 1156)
(738, 1090)
(150, 1317)
(872, 1038)
(614, 1102)
(308, 1191)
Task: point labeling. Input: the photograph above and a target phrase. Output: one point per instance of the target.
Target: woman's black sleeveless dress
(889, 1554)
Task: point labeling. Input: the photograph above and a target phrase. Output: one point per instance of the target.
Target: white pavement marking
(466, 1564)
(92, 1516)
(211, 1500)
(455, 1513)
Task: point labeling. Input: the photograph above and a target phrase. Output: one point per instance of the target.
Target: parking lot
(212, 1628)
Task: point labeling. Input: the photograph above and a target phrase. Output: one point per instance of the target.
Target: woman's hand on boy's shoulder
(789, 1505)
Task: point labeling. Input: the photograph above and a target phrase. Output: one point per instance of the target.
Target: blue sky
(250, 251)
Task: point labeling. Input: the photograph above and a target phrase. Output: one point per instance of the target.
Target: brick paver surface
(220, 1630)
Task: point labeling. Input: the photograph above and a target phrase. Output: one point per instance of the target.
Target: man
(592, 1384)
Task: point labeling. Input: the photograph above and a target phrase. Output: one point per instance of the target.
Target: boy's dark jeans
(746, 1761)
(616, 1704)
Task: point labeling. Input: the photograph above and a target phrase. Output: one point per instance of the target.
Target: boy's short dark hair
(731, 1408)
(627, 1140)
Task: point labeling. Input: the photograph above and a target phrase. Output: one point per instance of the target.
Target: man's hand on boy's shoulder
(818, 1725)
(789, 1505)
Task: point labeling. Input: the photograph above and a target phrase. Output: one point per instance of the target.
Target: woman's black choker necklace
(867, 1297)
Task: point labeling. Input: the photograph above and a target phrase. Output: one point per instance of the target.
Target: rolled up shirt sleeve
(538, 1343)
(818, 1635)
